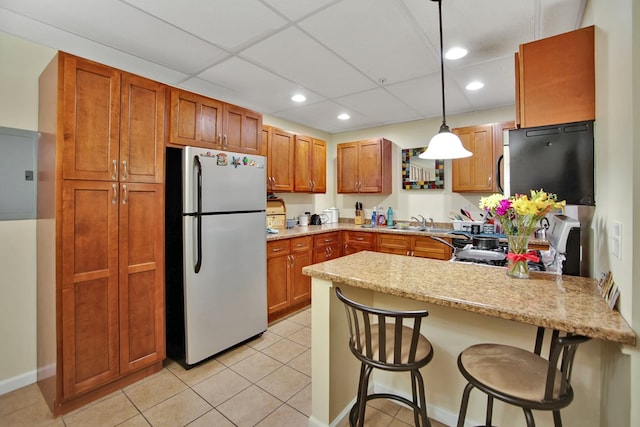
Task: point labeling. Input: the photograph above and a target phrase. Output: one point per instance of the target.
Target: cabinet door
(91, 120)
(556, 79)
(142, 130)
(370, 167)
(141, 279)
(299, 283)
(302, 171)
(318, 166)
(280, 160)
(426, 247)
(242, 130)
(89, 315)
(348, 180)
(277, 281)
(475, 173)
(394, 244)
(195, 120)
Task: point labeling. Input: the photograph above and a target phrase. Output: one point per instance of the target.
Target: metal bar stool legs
(382, 339)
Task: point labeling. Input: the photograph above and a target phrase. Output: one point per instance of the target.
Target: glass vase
(518, 266)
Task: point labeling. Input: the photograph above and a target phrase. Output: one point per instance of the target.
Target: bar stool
(520, 377)
(379, 339)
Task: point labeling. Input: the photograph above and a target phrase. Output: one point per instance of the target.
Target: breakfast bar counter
(467, 304)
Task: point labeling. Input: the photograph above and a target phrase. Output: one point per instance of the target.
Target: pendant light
(445, 144)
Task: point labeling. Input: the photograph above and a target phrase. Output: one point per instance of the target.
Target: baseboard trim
(18, 381)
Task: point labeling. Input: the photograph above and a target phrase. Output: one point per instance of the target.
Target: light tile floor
(265, 383)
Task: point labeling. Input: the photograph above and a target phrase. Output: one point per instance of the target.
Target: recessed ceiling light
(298, 97)
(344, 116)
(455, 53)
(474, 85)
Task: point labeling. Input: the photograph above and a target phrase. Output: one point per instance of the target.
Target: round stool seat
(513, 371)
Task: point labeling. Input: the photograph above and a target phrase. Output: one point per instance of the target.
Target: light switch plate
(615, 239)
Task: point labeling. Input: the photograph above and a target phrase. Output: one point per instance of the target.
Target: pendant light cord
(444, 115)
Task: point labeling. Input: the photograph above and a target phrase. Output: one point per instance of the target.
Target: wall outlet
(615, 239)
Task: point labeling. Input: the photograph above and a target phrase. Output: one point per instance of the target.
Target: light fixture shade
(445, 145)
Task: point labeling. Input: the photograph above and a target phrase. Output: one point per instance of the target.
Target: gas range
(492, 257)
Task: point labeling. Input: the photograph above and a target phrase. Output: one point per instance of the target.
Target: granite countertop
(566, 303)
(298, 231)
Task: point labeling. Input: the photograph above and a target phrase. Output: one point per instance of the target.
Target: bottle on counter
(389, 217)
(374, 217)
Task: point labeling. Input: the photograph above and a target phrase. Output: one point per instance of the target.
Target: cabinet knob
(114, 200)
(114, 176)
(125, 173)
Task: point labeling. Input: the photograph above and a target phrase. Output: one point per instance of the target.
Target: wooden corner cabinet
(478, 172)
(100, 231)
(365, 166)
(310, 172)
(208, 123)
(287, 288)
(555, 79)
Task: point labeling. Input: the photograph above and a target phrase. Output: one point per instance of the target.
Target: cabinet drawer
(326, 252)
(301, 244)
(359, 237)
(326, 239)
(278, 248)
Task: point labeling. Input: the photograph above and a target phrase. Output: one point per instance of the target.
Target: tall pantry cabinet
(99, 231)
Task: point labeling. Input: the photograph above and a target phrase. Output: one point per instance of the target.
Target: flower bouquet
(519, 216)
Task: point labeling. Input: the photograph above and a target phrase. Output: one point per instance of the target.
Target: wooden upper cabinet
(365, 166)
(195, 120)
(142, 130)
(91, 119)
(113, 124)
(208, 123)
(474, 173)
(478, 173)
(280, 160)
(310, 165)
(242, 130)
(555, 79)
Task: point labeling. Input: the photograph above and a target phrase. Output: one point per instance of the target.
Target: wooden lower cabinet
(287, 288)
(356, 241)
(112, 282)
(326, 246)
(420, 246)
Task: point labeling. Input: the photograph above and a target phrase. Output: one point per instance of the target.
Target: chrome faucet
(432, 226)
(421, 221)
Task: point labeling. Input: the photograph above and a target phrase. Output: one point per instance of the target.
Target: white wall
(617, 183)
(20, 67)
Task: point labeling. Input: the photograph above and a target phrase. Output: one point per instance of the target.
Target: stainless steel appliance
(216, 291)
(564, 237)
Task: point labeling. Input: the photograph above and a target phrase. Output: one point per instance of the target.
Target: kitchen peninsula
(468, 304)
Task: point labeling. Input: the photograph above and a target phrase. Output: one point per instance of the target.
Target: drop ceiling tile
(58, 39)
(380, 105)
(493, 74)
(225, 23)
(324, 115)
(296, 9)
(424, 95)
(273, 93)
(382, 42)
(120, 26)
(295, 56)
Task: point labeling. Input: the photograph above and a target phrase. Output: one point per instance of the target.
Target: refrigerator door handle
(498, 174)
(198, 216)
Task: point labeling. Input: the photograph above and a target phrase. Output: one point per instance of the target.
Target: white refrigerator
(216, 251)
